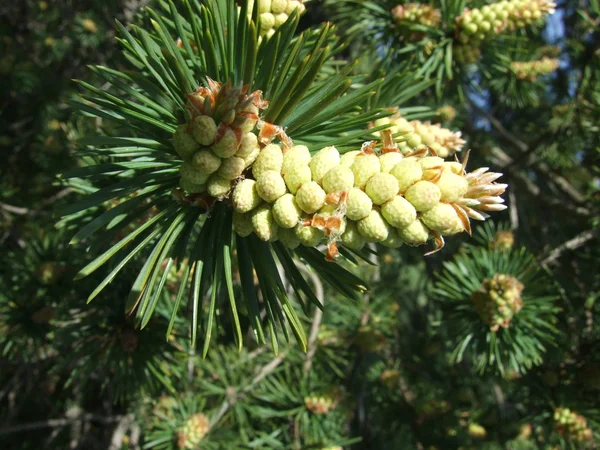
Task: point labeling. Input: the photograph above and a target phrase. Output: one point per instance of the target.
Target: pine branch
(571, 244)
(53, 423)
(561, 182)
(317, 317)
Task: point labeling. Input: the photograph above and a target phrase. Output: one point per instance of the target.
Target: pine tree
(300, 224)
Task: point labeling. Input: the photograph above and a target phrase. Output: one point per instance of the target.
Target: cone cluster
(503, 241)
(193, 431)
(498, 300)
(368, 195)
(530, 70)
(415, 14)
(478, 24)
(466, 53)
(474, 26)
(217, 143)
(572, 425)
(323, 403)
(411, 135)
(274, 13)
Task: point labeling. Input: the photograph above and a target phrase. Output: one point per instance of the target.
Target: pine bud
(286, 211)
(231, 168)
(242, 223)
(347, 159)
(442, 218)
(206, 162)
(309, 236)
(204, 130)
(323, 161)
(278, 6)
(270, 186)
(310, 197)
(389, 160)
(393, 240)
(414, 234)
(190, 187)
(296, 176)
(183, 143)
(423, 195)
(245, 197)
(338, 179)
(267, 22)
(287, 236)
(399, 212)
(227, 145)
(351, 238)
(269, 158)
(295, 156)
(193, 431)
(218, 187)
(381, 188)
(251, 158)
(364, 167)
(358, 204)
(373, 227)
(263, 223)
(248, 145)
(452, 186)
(407, 172)
(280, 19)
(192, 175)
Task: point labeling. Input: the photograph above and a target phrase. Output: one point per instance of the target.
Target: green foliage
(491, 343)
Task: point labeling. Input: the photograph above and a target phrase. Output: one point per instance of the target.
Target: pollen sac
(414, 234)
(206, 162)
(323, 161)
(231, 168)
(204, 130)
(269, 158)
(351, 238)
(310, 197)
(270, 186)
(423, 195)
(432, 167)
(347, 159)
(452, 186)
(358, 204)
(442, 218)
(373, 227)
(338, 179)
(248, 145)
(295, 156)
(296, 176)
(393, 240)
(288, 237)
(364, 167)
(228, 144)
(242, 223)
(407, 172)
(245, 197)
(249, 160)
(389, 160)
(190, 187)
(218, 187)
(399, 212)
(278, 6)
(309, 236)
(184, 144)
(267, 22)
(286, 211)
(263, 223)
(192, 175)
(381, 188)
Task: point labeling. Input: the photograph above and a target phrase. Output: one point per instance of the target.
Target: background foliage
(409, 363)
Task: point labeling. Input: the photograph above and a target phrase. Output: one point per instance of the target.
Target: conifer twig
(53, 423)
(571, 244)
